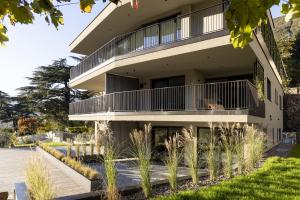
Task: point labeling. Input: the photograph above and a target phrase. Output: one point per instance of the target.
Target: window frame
(269, 90)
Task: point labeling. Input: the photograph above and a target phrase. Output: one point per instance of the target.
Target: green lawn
(295, 152)
(278, 179)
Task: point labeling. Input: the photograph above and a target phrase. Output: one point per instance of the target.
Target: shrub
(172, 159)
(81, 168)
(27, 125)
(57, 154)
(83, 137)
(142, 150)
(78, 129)
(5, 139)
(37, 180)
(191, 153)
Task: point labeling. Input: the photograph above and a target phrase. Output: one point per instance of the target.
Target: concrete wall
(121, 131)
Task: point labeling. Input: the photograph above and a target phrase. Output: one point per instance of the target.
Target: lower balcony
(233, 97)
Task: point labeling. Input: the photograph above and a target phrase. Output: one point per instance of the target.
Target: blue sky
(35, 45)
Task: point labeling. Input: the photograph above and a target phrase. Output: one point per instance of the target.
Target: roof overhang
(115, 20)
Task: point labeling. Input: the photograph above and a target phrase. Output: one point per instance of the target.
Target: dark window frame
(269, 90)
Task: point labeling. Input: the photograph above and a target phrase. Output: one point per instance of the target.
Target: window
(159, 134)
(276, 97)
(280, 136)
(203, 134)
(269, 91)
(280, 102)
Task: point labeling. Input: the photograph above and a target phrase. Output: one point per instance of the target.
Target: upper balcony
(203, 24)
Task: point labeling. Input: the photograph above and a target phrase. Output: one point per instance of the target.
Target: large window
(269, 90)
(160, 134)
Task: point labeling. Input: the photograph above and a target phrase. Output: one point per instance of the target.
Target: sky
(36, 45)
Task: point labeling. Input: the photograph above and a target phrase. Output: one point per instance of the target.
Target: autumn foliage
(27, 125)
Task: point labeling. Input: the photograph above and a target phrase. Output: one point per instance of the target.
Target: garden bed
(88, 178)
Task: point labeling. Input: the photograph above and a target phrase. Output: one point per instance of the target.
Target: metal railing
(202, 22)
(232, 95)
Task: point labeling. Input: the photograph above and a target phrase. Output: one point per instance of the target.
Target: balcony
(202, 25)
(235, 97)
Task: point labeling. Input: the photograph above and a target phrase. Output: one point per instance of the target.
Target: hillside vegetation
(288, 39)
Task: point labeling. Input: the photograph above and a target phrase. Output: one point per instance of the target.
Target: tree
(49, 94)
(13, 108)
(288, 40)
(4, 104)
(243, 16)
(27, 125)
(294, 62)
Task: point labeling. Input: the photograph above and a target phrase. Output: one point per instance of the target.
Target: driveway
(12, 167)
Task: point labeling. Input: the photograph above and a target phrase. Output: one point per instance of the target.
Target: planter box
(81, 180)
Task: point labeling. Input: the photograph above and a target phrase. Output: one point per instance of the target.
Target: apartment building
(171, 63)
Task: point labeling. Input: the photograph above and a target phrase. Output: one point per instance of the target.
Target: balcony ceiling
(212, 63)
(116, 20)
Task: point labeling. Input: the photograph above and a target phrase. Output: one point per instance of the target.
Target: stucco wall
(274, 115)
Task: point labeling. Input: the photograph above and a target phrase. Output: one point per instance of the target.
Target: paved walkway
(281, 150)
(129, 175)
(12, 167)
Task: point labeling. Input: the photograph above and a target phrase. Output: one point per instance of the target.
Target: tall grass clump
(37, 180)
(84, 149)
(227, 139)
(211, 151)
(191, 153)
(69, 150)
(142, 150)
(92, 148)
(254, 147)
(172, 160)
(98, 148)
(110, 171)
(109, 156)
(77, 150)
(239, 149)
